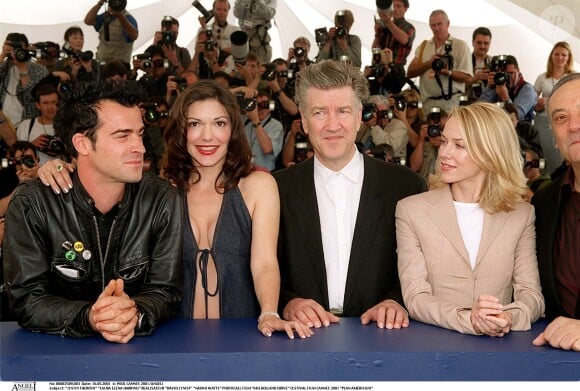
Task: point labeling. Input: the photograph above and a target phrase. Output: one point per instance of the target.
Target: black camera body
(368, 110)
(151, 113)
(54, 147)
(246, 104)
(385, 114)
(299, 52)
(445, 60)
(377, 69)
(321, 36)
(77, 54)
(168, 38)
(434, 128)
(47, 49)
(270, 73)
(498, 65)
(400, 102)
(28, 161)
(117, 5)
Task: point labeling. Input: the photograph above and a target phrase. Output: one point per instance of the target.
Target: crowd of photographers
(401, 120)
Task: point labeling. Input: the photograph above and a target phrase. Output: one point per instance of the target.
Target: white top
(37, 130)
(544, 85)
(338, 196)
(11, 107)
(470, 220)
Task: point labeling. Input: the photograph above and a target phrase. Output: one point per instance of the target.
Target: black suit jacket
(548, 204)
(372, 271)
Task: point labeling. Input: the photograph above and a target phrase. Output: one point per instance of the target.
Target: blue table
(233, 350)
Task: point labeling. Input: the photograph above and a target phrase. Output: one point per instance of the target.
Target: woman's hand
(270, 322)
(56, 174)
(488, 317)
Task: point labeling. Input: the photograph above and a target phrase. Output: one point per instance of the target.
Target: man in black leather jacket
(104, 257)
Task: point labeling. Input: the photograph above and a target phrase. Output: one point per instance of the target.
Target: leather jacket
(56, 265)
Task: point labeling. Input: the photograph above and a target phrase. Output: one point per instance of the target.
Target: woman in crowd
(466, 248)
(79, 66)
(230, 261)
(560, 64)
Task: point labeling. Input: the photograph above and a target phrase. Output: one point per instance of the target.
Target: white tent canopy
(526, 29)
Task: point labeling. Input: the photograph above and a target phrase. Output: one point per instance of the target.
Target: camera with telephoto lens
(167, 38)
(246, 104)
(47, 49)
(434, 117)
(207, 15)
(54, 147)
(384, 5)
(368, 110)
(78, 54)
(21, 54)
(445, 60)
(498, 66)
(117, 5)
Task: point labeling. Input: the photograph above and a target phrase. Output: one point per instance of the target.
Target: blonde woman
(466, 249)
(560, 63)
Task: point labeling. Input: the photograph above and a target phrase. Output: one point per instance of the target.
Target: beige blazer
(439, 287)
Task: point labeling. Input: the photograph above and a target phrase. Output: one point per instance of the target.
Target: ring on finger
(59, 167)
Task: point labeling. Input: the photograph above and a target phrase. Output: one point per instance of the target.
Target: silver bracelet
(268, 313)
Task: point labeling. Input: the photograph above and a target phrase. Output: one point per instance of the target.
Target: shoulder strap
(30, 127)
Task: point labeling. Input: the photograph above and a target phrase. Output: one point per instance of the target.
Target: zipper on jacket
(103, 259)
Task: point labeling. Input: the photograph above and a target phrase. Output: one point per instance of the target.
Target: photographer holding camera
(79, 66)
(296, 148)
(117, 30)
(18, 75)
(39, 130)
(220, 28)
(423, 158)
(390, 130)
(505, 83)
(178, 56)
(392, 30)
(340, 42)
(298, 55)
(208, 58)
(157, 71)
(265, 133)
(443, 65)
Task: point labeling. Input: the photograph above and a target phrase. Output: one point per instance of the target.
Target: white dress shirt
(338, 196)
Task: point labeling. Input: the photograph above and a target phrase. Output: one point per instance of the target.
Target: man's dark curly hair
(178, 165)
(77, 111)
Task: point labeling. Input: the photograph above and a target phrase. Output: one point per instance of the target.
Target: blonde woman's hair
(492, 142)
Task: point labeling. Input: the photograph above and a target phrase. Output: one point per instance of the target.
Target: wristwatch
(255, 125)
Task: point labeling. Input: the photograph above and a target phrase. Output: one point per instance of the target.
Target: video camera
(434, 117)
(498, 65)
(445, 60)
(208, 15)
